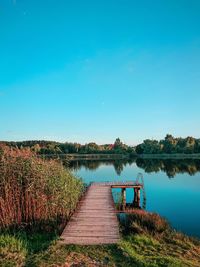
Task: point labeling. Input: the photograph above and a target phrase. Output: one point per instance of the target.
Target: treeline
(169, 145)
(55, 148)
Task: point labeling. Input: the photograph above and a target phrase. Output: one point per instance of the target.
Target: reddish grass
(142, 221)
(33, 189)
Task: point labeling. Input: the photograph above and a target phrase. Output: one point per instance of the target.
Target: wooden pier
(95, 221)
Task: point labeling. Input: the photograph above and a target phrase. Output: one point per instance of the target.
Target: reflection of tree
(92, 165)
(95, 164)
(149, 165)
(88, 164)
(170, 166)
(118, 165)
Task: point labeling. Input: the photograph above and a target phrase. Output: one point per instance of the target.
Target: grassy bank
(147, 240)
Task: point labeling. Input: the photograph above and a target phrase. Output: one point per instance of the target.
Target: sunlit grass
(146, 249)
(13, 251)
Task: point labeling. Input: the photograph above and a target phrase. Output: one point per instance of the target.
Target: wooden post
(136, 200)
(123, 198)
(138, 197)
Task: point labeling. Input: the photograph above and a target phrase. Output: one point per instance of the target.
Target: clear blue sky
(96, 70)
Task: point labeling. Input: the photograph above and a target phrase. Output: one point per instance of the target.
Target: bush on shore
(144, 222)
(34, 190)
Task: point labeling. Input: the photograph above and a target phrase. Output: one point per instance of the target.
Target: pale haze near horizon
(96, 70)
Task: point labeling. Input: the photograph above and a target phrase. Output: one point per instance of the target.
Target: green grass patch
(13, 251)
(147, 249)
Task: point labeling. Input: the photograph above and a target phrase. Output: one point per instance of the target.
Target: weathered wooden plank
(95, 221)
(91, 234)
(90, 241)
(92, 231)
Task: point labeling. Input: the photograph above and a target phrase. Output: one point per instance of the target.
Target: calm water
(172, 186)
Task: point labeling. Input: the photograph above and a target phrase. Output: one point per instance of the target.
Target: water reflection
(118, 165)
(170, 166)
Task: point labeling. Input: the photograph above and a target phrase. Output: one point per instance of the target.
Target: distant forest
(56, 148)
(168, 145)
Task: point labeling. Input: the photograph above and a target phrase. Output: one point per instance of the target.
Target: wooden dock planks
(95, 221)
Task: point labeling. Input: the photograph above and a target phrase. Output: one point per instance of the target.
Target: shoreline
(89, 156)
(169, 156)
(77, 156)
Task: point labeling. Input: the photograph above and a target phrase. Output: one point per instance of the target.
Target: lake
(172, 187)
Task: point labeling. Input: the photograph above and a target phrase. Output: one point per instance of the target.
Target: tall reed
(33, 189)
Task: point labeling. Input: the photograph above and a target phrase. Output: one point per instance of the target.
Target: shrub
(33, 189)
(141, 221)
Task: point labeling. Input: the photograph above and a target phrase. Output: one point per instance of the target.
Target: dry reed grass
(33, 189)
(145, 222)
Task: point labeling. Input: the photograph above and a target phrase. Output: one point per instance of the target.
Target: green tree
(169, 144)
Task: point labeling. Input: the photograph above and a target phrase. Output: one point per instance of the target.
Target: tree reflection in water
(170, 166)
(95, 164)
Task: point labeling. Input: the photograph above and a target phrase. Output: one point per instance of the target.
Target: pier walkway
(95, 221)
